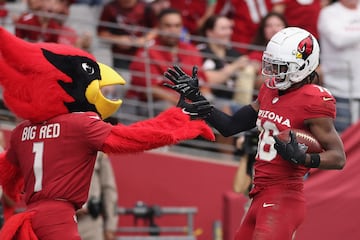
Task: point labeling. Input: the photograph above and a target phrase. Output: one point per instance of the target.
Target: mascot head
(43, 80)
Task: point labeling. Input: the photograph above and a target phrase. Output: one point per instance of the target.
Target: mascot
(56, 91)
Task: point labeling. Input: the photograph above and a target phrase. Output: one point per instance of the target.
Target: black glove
(291, 151)
(183, 83)
(196, 110)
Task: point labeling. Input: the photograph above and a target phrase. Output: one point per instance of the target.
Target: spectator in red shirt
(194, 13)
(303, 14)
(67, 35)
(35, 26)
(166, 50)
(153, 8)
(246, 20)
(122, 23)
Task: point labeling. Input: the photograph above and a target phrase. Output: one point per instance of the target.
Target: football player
(288, 99)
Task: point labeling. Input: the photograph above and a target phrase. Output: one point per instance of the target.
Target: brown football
(304, 137)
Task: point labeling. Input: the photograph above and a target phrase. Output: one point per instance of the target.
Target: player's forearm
(326, 160)
(243, 119)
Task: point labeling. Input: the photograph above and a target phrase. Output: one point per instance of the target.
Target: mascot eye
(87, 68)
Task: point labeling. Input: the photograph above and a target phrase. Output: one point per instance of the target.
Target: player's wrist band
(314, 160)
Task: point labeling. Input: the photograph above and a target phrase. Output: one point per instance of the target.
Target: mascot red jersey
(56, 89)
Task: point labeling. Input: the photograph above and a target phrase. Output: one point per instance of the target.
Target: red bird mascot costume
(56, 89)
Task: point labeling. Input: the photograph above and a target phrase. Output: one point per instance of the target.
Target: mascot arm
(168, 128)
(11, 178)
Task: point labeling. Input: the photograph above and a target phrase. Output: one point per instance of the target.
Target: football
(303, 137)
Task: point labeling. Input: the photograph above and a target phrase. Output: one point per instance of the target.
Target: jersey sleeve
(95, 130)
(320, 102)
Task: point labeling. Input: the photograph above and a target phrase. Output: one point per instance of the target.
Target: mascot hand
(183, 83)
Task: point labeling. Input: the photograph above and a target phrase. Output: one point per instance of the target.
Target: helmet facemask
(279, 72)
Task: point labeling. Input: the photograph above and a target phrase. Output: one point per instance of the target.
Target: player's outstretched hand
(290, 151)
(197, 110)
(184, 84)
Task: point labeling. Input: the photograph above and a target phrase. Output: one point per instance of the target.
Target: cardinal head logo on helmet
(305, 48)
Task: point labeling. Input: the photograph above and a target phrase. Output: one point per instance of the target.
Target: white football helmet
(291, 55)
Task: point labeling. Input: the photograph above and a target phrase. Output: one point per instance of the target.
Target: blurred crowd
(224, 38)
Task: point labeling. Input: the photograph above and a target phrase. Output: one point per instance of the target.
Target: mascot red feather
(56, 89)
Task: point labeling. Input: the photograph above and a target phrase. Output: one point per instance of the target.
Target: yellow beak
(106, 107)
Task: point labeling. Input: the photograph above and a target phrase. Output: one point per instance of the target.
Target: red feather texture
(18, 227)
(170, 127)
(11, 178)
(29, 81)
